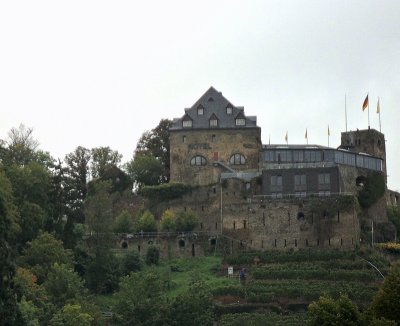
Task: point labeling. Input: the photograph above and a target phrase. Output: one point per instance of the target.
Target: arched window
(237, 159)
(198, 160)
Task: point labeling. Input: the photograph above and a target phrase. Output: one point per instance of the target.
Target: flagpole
(379, 108)
(368, 113)
(329, 133)
(345, 111)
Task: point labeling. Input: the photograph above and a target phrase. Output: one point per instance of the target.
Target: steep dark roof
(213, 103)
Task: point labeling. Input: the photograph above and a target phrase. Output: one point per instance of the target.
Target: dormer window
(187, 122)
(213, 121)
(240, 121)
(228, 110)
(200, 110)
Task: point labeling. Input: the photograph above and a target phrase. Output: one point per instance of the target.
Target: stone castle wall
(263, 223)
(213, 145)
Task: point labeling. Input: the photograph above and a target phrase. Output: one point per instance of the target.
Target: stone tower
(213, 136)
(368, 141)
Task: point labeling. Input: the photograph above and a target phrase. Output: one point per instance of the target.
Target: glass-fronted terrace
(281, 154)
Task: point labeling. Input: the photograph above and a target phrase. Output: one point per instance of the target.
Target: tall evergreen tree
(8, 305)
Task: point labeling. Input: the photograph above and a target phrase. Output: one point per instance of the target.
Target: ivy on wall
(165, 191)
(372, 190)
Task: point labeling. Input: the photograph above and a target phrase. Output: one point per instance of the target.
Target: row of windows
(213, 122)
(200, 110)
(340, 157)
(300, 194)
(235, 159)
(300, 179)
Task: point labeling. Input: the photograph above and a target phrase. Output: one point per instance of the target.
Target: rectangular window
(276, 180)
(228, 110)
(324, 179)
(276, 183)
(183, 139)
(187, 123)
(300, 179)
(214, 123)
(300, 194)
(300, 182)
(269, 156)
(240, 122)
(200, 111)
(298, 156)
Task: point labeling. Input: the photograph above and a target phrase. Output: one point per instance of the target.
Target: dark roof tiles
(213, 103)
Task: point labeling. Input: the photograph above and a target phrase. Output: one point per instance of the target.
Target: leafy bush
(152, 255)
(165, 191)
(186, 221)
(131, 262)
(146, 223)
(123, 223)
(391, 247)
(263, 319)
(327, 311)
(168, 220)
(393, 214)
(373, 189)
(289, 256)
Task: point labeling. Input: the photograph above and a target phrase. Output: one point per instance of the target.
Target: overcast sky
(100, 73)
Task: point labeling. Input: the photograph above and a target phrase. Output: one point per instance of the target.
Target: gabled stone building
(213, 136)
(273, 196)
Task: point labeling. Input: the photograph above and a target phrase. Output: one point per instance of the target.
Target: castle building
(213, 136)
(273, 196)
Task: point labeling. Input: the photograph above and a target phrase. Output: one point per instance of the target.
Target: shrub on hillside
(186, 221)
(165, 191)
(152, 255)
(146, 223)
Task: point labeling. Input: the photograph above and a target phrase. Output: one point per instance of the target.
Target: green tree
(373, 189)
(42, 252)
(327, 311)
(123, 223)
(102, 269)
(131, 262)
(63, 285)
(34, 303)
(186, 221)
(71, 315)
(192, 307)
(152, 255)
(21, 146)
(168, 220)
(29, 312)
(31, 221)
(8, 306)
(140, 300)
(98, 211)
(386, 302)
(145, 170)
(102, 159)
(146, 223)
(155, 143)
(75, 189)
